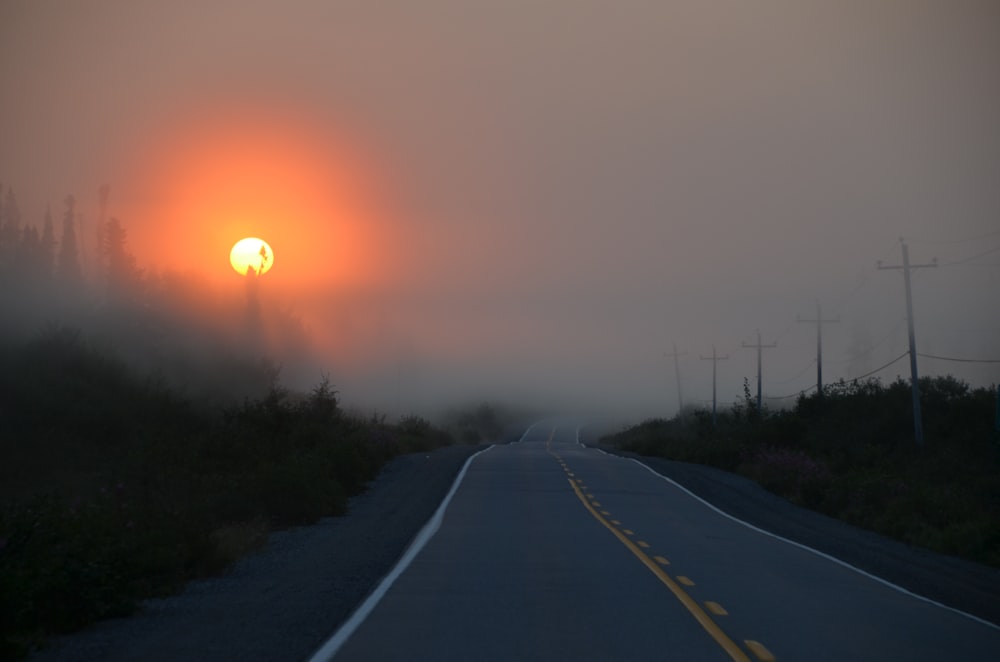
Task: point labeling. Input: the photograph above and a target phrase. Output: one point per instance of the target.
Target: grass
(113, 488)
(850, 454)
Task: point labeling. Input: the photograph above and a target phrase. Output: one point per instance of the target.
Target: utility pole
(715, 361)
(918, 429)
(819, 321)
(677, 372)
(759, 346)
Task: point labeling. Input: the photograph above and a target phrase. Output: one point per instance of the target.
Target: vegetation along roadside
(114, 488)
(849, 453)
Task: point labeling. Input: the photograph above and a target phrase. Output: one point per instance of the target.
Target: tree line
(32, 258)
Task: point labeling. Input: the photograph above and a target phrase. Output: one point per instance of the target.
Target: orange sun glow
(203, 183)
(251, 253)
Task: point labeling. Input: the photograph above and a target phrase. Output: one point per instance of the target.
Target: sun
(251, 253)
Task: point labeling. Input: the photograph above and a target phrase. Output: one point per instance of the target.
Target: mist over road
(549, 550)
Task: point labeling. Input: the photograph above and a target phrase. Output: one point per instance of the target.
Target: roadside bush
(115, 489)
(850, 454)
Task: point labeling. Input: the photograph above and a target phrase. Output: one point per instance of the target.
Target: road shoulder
(969, 587)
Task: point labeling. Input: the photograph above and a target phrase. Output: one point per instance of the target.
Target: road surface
(549, 550)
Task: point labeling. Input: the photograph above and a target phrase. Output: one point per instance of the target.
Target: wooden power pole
(819, 321)
(918, 428)
(677, 373)
(759, 347)
(715, 361)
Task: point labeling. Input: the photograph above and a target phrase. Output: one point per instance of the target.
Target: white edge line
(805, 547)
(530, 428)
(344, 632)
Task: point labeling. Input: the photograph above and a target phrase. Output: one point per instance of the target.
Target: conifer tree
(123, 276)
(47, 247)
(68, 268)
(10, 232)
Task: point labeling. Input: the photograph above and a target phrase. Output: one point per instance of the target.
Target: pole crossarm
(901, 267)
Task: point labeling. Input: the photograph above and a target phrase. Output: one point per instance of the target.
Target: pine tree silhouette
(10, 231)
(47, 248)
(123, 276)
(68, 268)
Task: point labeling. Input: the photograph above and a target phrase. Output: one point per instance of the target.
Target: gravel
(283, 602)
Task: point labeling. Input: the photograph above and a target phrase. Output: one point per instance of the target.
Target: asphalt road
(549, 550)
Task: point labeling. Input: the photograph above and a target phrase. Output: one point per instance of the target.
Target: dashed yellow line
(628, 532)
(716, 608)
(661, 560)
(643, 544)
(706, 622)
(759, 650)
(685, 580)
(605, 513)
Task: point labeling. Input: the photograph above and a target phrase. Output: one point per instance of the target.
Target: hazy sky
(501, 199)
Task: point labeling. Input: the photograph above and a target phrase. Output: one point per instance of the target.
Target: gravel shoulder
(283, 602)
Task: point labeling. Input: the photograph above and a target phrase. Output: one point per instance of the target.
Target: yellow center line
(643, 544)
(716, 608)
(685, 580)
(606, 513)
(759, 650)
(689, 603)
(628, 532)
(661, 560)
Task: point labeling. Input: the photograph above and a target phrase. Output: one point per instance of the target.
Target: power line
(949, 242)
(970, 259)
(852, 379)
(879, 369)
(791, 395)
(950, 358)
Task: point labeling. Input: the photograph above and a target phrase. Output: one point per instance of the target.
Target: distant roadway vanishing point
(546, 550)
